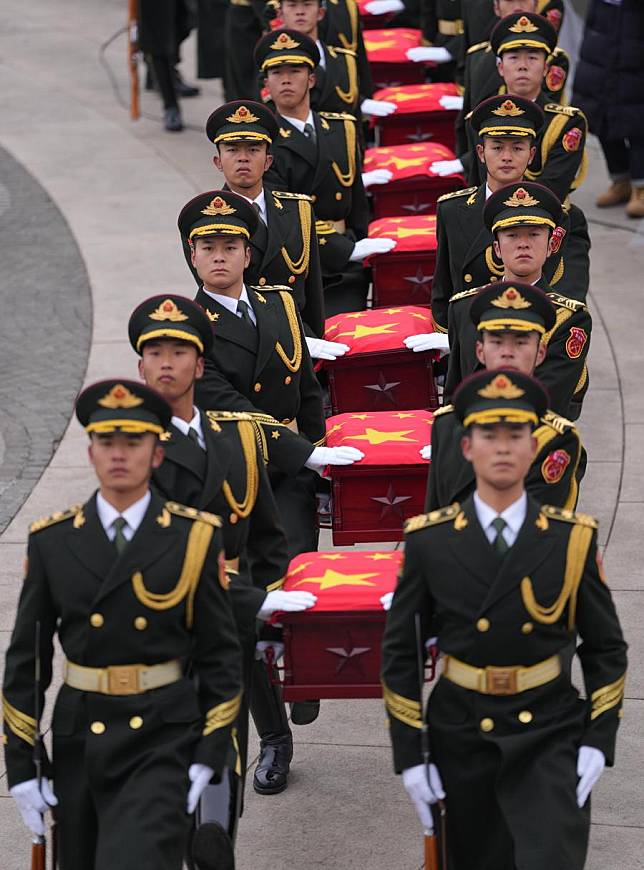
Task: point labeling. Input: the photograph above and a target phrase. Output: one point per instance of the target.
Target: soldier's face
(501, 455)
(220, 261)
(123, 462)
(301, 15)
(289, 85)
(521, 351)
(507, 7)
(523, 70)
(523, 250)
(506, 159)
(243, 163)
(170, 367)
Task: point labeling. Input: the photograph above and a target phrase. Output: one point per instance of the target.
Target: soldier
(245, 22)
(318, 154)
(523, 218)
(510, 320)
(212, 462)
(136, 590)
(507, 584)
(507, 129)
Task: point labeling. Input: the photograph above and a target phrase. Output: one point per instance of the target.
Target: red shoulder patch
(572, 139)
(554, 466)
(576, 342)
(555, 78)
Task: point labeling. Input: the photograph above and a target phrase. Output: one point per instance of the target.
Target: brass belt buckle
(501, 681)
(123, 680)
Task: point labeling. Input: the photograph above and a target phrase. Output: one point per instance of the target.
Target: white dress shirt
(514, 517)
(322, 54)
(260, 202)
(195, 424)
(133, 516)
(231, 304)
(299, 125)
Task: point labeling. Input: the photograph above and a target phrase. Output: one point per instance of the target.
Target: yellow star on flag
(378, 557)
(332, 578)
(405, 233)
(335, 428)
(402, 163)
(361, 331)
(375, 436)
(402, 416)
(360, 416)
(356, 314)
(300, 568)
(331, 557)
(394, 311)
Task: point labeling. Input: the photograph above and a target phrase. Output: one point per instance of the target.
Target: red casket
(333, 649)
(419, 116)
(387, 56)
(404, 276)
(378, 372)
(372, 498)
(413, 189)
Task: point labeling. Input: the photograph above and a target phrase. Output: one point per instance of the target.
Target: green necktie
(309, 132)
(193, 435)
(500, 545)
(120, 541)
(243, 310)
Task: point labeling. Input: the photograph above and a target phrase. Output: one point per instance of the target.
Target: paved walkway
(119, 187)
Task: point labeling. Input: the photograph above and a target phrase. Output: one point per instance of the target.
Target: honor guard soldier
(284, 247)
(509, 320)
(507, 585)
(523, 219)
(507, 129)
(342, 26)
(135, 587)
(318, 154)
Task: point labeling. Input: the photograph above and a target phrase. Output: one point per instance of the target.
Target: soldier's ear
(533, 151)
(541, 353)
(311, 80)
(199, 367)
(268, 162)
(466, 447)
(480, 354)
(158, 455)
(480, 152)
(495, 247)
(217, 161)
(141, 368)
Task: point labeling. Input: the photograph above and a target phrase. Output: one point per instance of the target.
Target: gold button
(232, 519)
(136, 722)
(483, 624)
(314, 199)
(291, 280)
(97, 727)
(257, 387)
(467, 277)
(525, 716)
(487, 724)
(96, 620)
(140, 623)
(287, 380)
(262, 281)
(526, 628)
(493, 278)
(338, 195)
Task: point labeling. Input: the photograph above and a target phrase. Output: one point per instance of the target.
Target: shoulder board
(433, 518)
(267, 287)
(566, 302)
(286, 194)
(464, 294)
(478, 46)
(335, 49)
(466, 191)
(446, 409)
(57, 517)
(223, 416)
(258, 417)
(337, 116)
(556, 422)
(568, 516)
(190, 513)
(571, 111)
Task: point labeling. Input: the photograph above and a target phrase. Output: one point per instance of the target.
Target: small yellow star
(360, 416)
(332, 557)
(402, 416)
(300, 568)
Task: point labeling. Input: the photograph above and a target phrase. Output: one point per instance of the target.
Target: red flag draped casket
(419, 116)
(413, 188)
(387, 56)
(372, 498)
(370, 21)
(379, 373)
(404, 275)
(333, 649)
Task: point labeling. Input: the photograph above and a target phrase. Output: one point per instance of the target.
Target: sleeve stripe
(404, 709)
(222, 715)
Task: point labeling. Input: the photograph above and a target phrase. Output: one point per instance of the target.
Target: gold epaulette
(266, 287)
(258, 417)
(478, 46)
(555, 421)
(571, 111)
(465, 191)
(337, 116)
(446, 409)
(335, 49)
(190, 513)
(222, 416)
(433, 518)
(568, 516)
(286, 194)
(57, 517)
(463, 294)
(566, 302)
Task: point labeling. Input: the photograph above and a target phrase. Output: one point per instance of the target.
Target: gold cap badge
(242, 116)
(284, 41)
(120, 397)
(521, 197)
(511, 298)
(508, 109)
(523, 25)
(168, 311)
(218, 206)
(501, 388)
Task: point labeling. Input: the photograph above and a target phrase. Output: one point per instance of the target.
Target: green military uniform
(441, 22)
(341, 27)
(127, 721)
(244, 24)
(505, 722)
(337, 86)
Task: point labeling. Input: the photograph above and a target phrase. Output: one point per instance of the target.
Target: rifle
(39, 845)
(436, 842)
(132, 58)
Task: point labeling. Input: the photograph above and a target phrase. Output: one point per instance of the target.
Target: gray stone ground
(119, 187)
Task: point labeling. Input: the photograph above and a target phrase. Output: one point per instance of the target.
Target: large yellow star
(361, 331)
(332, 578)
(375, 436)
(332, 557)
(404, 163)
(406, 233)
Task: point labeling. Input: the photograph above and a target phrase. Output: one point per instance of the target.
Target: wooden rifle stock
(39, 855)
(132, 57)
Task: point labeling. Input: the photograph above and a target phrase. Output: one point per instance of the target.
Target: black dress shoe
(304, 712)
(172, 120)
(211, 848)
(183, 89)
(271, 773)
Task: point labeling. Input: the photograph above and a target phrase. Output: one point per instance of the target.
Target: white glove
(367, 247)
(451, 102)
(323, 456)
(426, 451)
(321, 349)
(428, 341)
(33, 803)
(376, 176)
(426, 52)
(378, 108)
(262, 645)
(382, 7)
(291, 602)
(200, 775)
(386, 600)
(422, 792)
(446, 167)
(590, 766)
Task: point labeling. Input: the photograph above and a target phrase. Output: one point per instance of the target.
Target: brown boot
(635, 207)
(617, 193)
